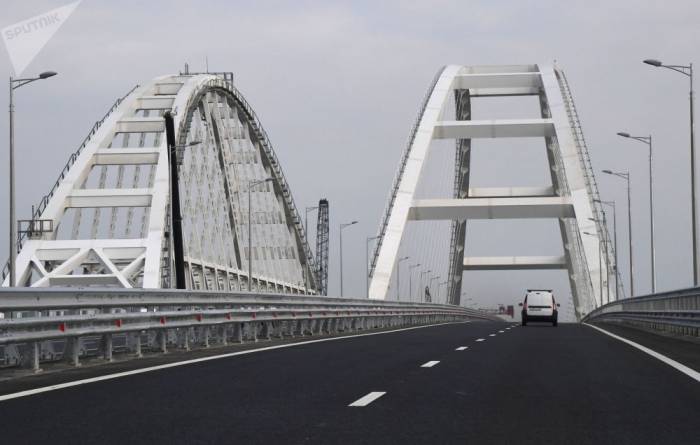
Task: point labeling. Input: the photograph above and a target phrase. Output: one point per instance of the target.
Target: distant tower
(322, 244)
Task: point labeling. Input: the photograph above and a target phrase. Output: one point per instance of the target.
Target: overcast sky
(337, 86)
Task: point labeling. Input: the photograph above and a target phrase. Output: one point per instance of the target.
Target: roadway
(507, 384)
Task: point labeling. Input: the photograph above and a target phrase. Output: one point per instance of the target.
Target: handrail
(675, 311)
(264, 139)
(399, 172)
(39, 209)
(50, 324)
(589, 178)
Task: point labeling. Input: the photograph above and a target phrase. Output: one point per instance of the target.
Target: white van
(539, 305)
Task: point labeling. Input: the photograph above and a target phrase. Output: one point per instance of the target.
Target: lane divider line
(430, 364)
(480, 339)
(369, 398)
(492, 335)
(693, 374)
(30, 392)
(501, 332)
(461, 348)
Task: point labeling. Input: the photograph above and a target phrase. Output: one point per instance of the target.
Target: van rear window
(539, 299)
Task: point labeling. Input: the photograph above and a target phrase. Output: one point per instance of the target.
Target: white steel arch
(108, 214)
(572, 198)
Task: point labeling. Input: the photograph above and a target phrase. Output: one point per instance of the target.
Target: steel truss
(110, 207)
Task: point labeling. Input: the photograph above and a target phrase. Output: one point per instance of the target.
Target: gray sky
(337, 86)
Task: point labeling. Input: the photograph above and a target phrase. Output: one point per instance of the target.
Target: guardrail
(54, 325)
(676, 312)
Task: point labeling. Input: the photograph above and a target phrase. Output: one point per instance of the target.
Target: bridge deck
(536, 384)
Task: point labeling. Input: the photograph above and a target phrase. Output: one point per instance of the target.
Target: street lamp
(342, 226)
(252, 184)
(306, 235)
(626, 177)
(367, 265)
(688, 71)
(612, 204)
(14, 84)
(430, 285)
(438, 294)
(398, 277)
(180, 149)
(421, 284)
(600, 263)
(603, 239)
(647, 140)
(410, 280)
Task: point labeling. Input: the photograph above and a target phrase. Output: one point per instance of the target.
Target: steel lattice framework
(572, 199)
(322, 246)
(108, 213)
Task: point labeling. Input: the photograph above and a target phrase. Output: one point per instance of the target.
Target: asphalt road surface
(468, 383)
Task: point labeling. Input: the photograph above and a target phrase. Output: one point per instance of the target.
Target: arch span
(106, 222)
(572, 198)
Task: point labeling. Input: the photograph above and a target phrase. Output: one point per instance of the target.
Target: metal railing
(675, 311)
(39, 209)
(225, 81)
(399, 173)
(48, 325)
(591, 183)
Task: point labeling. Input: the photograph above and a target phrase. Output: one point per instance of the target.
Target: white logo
(25, 39)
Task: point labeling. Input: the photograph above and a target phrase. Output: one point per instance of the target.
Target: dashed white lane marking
(369, 398)
(480, 339)
(693, 374)
(492, 335)
(430, 364)
(117, 375)
(461, 348)
(501, 332)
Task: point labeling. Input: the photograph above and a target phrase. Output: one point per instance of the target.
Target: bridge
(165, 289)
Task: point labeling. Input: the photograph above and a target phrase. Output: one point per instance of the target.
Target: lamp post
(367, 266)
(251, 184)
(626, 177)
(604, 249)
(421, 283)
(342, 226)
(14, 84)
(688, 71)
(612, 204)
(600, 264)
(438, 294)
(430, 285)
(398, 277)
(306, 235)
(647, 140)
(410, 280)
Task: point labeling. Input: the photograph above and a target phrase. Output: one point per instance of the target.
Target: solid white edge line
(367, 399)
(669, 361)
(30, 392)
(430, 364)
